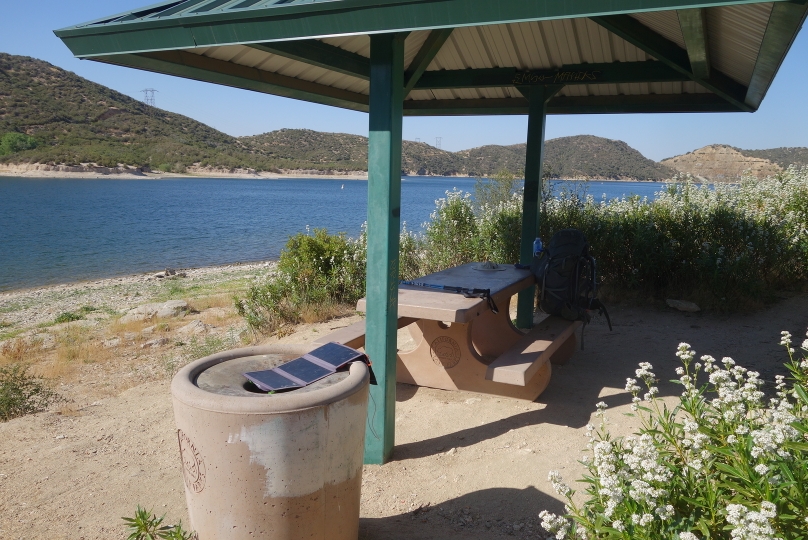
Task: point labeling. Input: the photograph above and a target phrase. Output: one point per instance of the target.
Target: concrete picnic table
(462, 344)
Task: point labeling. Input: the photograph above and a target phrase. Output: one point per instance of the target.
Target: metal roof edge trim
(264, 84)
(697, 103)
(774, 49)
(343, 17)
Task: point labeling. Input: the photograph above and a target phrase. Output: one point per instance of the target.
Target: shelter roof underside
(718, 58)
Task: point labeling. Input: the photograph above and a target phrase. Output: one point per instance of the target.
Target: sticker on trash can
(193, 467)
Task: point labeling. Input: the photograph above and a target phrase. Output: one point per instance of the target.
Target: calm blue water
(63, 230)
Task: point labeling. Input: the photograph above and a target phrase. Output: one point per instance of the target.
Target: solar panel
(306, 369)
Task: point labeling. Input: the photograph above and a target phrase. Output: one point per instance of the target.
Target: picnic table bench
(461, 344)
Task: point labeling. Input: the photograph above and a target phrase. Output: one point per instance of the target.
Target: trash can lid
(227, 378)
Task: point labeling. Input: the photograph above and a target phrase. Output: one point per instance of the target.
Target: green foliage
(22, 393)
(721, 464)
(315, 272)
(496, 190)
(728, 248)
(68, 316)
(13, 142)
(145, 525)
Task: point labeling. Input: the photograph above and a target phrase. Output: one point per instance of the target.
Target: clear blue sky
(26, 29)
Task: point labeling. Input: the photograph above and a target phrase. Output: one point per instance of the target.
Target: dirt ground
(465, 465)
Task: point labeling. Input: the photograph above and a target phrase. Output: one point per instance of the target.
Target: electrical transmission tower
(418, 139)
(148, 96)
(437, 142)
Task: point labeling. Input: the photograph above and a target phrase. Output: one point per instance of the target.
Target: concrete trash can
(281, 466)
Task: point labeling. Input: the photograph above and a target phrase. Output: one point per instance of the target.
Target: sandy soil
(465, 465)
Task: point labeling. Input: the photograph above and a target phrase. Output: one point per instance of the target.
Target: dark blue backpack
(566, 274)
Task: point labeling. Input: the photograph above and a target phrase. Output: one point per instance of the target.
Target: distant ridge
(79, 125)
(723, 163)
(581, 156)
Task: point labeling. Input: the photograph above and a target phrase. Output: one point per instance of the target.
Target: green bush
(316, 271)
(728, 247)
(22, 393)
(721, 464)
(68, 316)
(13, 142)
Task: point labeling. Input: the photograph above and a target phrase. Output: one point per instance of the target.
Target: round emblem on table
(445, 352)
(193, 467)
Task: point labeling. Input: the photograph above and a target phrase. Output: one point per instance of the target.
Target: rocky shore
(27, 308)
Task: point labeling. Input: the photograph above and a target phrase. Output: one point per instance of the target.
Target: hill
(783, 157)
(582, 156)
(722, 163)
(75, 121)
(52, 116)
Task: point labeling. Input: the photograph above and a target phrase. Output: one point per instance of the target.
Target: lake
(64, 230)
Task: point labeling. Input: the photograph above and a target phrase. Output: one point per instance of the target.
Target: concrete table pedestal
(283, 466)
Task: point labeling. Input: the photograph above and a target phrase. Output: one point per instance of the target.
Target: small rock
(160, 275)
(517, 526)
(148, 330)
(451, 452)
(194, 328)
(683, 305)
(59, 437)
(172, 308)
(472, 401)
(158, 342)
(130, 336)
(170, 272)
(113, 342)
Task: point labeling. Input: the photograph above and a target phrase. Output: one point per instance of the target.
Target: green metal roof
(465, 56)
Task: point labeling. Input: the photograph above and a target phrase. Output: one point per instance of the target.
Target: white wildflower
(761, 469)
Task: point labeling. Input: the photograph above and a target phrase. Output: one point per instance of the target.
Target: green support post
(534, 160)
(384, 210)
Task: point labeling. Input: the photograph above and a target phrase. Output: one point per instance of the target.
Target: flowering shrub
(727, 246)
(723, 463)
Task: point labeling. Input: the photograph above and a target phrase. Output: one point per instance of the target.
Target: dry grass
(315, 313)
(120, 329)
(207, 302)
(55, 370)
(19, 350)
(78, 344)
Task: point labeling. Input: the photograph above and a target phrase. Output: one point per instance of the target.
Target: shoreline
(303, 175)
(22, 310)
(150, 275)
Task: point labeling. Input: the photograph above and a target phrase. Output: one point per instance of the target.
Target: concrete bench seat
(552, 340)
(354, 335)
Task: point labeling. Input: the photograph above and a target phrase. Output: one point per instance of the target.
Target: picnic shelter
(395, 58)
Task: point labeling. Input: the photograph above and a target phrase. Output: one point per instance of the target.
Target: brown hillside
(721, 163)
